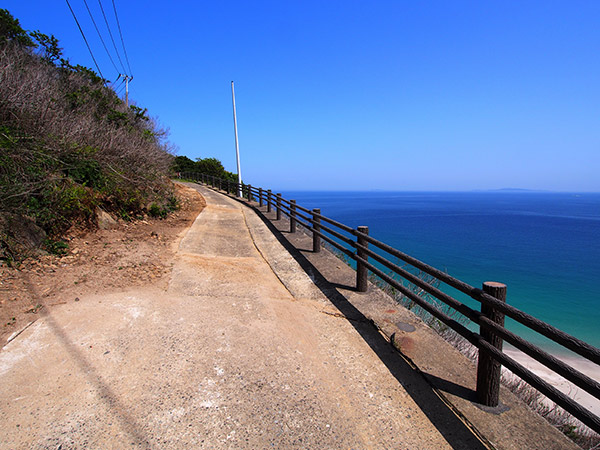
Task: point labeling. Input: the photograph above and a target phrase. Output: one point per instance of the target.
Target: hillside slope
(69, 145)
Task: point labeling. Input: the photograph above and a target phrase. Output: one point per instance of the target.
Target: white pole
(237, 147)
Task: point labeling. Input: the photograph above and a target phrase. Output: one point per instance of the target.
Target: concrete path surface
(241, 352)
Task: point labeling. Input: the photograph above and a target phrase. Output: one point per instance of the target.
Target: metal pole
(237, 148)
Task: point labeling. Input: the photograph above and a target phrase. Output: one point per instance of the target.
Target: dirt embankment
(130, 254)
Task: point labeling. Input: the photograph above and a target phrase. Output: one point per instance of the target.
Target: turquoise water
(544, 246)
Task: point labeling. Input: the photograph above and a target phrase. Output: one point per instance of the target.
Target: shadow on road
(456, 431)
(104, 392)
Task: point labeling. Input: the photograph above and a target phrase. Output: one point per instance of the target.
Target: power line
(85, 39)
(100, 36)
(121, 34)
(116, 85)
(111, 36)
(120, 90)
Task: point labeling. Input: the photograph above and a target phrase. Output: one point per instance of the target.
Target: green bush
(68, 143)
(58, 247)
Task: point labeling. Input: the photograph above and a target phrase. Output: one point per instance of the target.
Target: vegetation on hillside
(68, 144)
(183, 165)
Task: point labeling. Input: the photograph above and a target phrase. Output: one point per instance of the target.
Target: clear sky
(399, 95)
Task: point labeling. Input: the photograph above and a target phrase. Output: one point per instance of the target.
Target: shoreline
(582, 365)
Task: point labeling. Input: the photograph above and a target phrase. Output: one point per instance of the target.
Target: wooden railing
(358, 245)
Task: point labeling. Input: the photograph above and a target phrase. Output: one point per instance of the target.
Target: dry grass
(555, 415)
(70, 145)
(536, 401)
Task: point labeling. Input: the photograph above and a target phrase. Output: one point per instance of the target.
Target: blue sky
(352, 95)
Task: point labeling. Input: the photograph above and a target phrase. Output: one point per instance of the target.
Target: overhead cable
(100, 36)
(122, 41)
(115, 85)
(85, 39)
(111, 36)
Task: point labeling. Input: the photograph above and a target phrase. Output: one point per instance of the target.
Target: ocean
(544, 246)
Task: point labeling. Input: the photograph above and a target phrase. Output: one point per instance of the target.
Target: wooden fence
(358, 245)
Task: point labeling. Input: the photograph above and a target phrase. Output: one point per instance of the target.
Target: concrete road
(241, 352)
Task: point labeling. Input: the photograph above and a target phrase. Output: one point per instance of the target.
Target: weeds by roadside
(69, 145)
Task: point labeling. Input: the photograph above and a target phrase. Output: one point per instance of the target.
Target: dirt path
(237, 350)
(126, 255)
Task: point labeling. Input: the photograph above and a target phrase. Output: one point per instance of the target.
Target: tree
(184, 164)
(210, 166)
(51, 51)
(10, 30)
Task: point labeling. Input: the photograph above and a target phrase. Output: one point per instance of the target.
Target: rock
(104, 220)
(22, 234)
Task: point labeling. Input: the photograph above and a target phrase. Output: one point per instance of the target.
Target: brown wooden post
(292, 216)
(361, 269)
(488, 369)
(278, 206)
(260, 197)
(268, 200)
(249, 192)
(316, 227)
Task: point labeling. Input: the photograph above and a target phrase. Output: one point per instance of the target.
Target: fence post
(268, 200)
(279, 206)
(260, 197)
(316, 227)
(361, 269)
(249, 192)
(292, 216)
(488, 369)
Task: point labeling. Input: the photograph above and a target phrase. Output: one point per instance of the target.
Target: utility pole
(127, 79)
(237, 147)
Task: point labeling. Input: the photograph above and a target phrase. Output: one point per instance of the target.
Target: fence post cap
(494, 284)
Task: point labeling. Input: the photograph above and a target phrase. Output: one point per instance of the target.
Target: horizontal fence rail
(358, 245)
